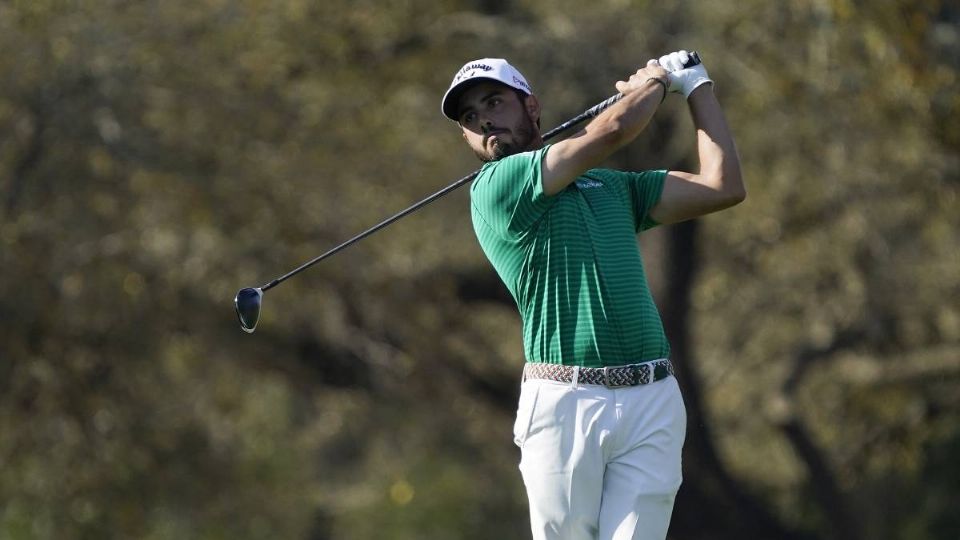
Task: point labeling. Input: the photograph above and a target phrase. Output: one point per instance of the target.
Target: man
(600, 421)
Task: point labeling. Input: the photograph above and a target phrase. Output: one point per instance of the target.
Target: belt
(610, 376)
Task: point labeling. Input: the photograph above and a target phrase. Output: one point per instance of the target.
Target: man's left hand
(683, 80)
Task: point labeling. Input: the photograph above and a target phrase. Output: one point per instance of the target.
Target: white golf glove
(683, 80)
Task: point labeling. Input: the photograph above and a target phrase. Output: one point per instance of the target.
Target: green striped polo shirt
(572, 261)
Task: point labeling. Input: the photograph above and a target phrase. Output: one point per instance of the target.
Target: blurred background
(157, 156)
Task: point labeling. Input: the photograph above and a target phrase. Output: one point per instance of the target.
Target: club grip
(692, 60)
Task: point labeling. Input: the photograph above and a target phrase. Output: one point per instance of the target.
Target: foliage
(157, 156)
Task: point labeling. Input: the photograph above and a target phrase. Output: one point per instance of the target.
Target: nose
(486, 126)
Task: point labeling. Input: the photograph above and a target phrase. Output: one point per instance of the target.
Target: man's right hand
(638, 80)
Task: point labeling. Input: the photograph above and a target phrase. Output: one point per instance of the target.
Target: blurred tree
(156, 156)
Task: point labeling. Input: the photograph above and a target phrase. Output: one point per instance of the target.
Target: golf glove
(683, 81)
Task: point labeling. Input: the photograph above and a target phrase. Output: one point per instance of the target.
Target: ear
(532, 105)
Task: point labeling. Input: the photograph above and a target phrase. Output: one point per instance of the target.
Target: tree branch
(822, 479)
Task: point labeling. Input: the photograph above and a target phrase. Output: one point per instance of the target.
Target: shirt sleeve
(508, 194)
(646, 187)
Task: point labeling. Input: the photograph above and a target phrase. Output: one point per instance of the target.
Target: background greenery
(157, 156)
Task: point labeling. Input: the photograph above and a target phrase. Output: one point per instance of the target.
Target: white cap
(494, 69)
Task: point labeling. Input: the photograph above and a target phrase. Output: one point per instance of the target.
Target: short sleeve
(646, 187)
(508, 194)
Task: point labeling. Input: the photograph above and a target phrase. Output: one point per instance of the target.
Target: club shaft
(589, 113)
(373, 229)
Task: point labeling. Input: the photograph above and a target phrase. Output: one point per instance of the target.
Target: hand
(683, 80)
(640, 79)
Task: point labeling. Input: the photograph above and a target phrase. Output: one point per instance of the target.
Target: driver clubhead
(248, 303)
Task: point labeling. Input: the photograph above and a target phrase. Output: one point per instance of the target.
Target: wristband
(663, 84)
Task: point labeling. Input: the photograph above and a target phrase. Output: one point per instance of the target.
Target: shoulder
(615, 175)
(521, 165)
(611, 175)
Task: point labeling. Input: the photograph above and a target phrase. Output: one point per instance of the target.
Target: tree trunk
(711, 499)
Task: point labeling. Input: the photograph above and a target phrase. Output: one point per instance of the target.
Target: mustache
(490, 132)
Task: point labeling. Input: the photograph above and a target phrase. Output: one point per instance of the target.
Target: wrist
(693, 78)
(701, 88)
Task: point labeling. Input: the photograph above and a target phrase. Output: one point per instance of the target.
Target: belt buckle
(606, 377)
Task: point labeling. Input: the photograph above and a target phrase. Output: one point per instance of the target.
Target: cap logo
(523, 83)
(467, 71)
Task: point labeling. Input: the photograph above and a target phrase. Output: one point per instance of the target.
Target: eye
(494, 102)
(468, 118)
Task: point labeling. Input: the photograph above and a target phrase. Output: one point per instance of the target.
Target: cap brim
(451, 99)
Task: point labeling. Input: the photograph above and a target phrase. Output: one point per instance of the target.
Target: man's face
(495, 121)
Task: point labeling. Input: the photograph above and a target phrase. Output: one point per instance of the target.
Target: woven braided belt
(611, 377)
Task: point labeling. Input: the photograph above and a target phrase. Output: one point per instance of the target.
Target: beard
(523, 135)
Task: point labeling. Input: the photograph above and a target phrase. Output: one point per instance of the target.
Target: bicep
(686, 196)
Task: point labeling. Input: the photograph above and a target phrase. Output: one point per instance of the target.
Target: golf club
(249, 300)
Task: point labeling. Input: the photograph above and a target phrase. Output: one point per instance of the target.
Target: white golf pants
(600, 463)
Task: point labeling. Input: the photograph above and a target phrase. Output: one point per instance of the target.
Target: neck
(536, 143)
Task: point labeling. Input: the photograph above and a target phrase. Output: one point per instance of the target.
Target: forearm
(718, 184)
(719, 163)
(612, 129)
(628, 118)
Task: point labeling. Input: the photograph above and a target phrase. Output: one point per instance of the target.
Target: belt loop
(576, 376)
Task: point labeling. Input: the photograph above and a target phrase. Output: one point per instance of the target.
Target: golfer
(601, 421)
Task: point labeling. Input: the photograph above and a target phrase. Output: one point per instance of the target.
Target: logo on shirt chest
(588, 184)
